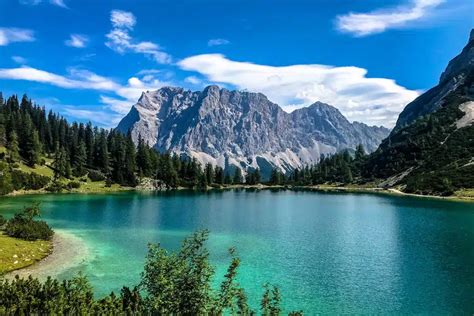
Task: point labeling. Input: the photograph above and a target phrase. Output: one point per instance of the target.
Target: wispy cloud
(102, 118)
(193, 80)
(77, 78)
(12, 34)
(59, 3)
(116, 98)
(217, 42)
(119, 38)
(77, 41)
(370, 100)
(19, 60)
(378, 21)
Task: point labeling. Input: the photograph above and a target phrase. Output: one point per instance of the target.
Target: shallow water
(328, 252)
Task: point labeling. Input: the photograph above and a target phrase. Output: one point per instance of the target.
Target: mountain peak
(241, 128)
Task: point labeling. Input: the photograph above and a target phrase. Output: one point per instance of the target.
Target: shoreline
(317, 188)
(68, 251)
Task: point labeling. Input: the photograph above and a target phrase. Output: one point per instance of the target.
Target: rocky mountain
(431, 150)
(454, 76)
(238, 128)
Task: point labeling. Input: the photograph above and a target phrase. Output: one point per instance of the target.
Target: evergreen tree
(227, 178)
(219, 175)
(209, 172)
(12, 147)
(143, 158)
(237, 179)
(80, 160)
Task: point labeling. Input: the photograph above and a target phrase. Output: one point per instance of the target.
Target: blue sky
(90, 60)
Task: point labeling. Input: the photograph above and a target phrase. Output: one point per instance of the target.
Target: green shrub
(73, 185)
(55, 186)
(2, 220)
(23, 226)
(95, 175)
(28, 181)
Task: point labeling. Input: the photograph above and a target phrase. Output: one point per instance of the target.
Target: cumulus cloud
(12, 34)
(77, 41)
(371, 100)
(217, 42)
(119, 39)
(19, 60)
(363, 24)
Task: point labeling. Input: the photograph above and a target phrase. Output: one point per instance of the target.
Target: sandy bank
(68, 251)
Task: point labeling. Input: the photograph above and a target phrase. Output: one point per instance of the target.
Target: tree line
(30, 134)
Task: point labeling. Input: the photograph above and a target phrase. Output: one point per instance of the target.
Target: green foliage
(69, 297)
(338, 168)
(95, 175)
(23, 225)
(28, 181)
(3, 221)
(6, 185)
(172, 284)
(238, 178)
(253, 177)
(73, 185)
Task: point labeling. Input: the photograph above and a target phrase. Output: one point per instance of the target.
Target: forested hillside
(40, 149)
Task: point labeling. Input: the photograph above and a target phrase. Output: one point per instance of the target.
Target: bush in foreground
(172, 284)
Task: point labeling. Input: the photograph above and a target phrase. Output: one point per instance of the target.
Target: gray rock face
(453, 77)
(236, 128)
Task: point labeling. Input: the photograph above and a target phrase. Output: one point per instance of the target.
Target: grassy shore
(16, 253)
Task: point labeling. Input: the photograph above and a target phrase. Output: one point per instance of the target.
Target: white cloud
(77, 79)
(11, 34)
(19, 60)
(217, 42)
(102, 118)
(77, 41)
(122, 19)
(119, 38)
(59, 3)
(363, 24)
(119, 100)
(371, 100)
(193, 80)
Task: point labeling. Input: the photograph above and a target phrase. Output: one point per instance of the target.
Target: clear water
(328, 252)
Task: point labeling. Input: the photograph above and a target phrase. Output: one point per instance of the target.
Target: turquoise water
(328, 252)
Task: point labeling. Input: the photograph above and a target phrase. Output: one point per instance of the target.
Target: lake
(328, 252)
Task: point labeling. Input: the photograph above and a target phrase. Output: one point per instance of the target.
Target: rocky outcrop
(454, 76)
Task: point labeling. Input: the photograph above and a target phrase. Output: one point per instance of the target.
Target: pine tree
(209, 172)
(80, 159)
(143, 158)
(227, 178)
(12, 147)
(237, 179)
(219, 175)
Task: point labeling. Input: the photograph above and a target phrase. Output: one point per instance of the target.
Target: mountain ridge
(245, 129)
